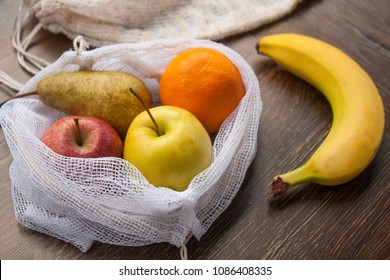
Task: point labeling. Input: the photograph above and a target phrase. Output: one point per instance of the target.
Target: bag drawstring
(79, 44)
(183, 248)
(28, 61)
(9, 81)
(31, 63)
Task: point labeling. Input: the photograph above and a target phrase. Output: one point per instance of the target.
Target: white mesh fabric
(107, 199)
(104, 22)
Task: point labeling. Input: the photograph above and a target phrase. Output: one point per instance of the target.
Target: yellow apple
(172, 154)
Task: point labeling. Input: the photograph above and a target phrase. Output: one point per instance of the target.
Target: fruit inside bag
(82, 200)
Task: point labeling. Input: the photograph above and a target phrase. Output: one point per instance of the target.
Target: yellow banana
(358, 112)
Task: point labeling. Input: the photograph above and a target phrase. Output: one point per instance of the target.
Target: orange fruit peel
(204, 82)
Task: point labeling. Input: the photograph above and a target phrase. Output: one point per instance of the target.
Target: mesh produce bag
(107, 199)
(103, 22)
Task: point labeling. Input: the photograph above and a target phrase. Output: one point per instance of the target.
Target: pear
(100, 94)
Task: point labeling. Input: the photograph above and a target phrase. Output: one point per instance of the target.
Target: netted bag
(107, 199)
(104, 22)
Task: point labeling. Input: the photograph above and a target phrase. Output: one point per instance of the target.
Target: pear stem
(28, 93)
(147, 110)
(78, 134)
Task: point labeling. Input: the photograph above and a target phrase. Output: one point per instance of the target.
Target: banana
(358, 112)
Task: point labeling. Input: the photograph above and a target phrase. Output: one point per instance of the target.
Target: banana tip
(257, 47)
(278, 186)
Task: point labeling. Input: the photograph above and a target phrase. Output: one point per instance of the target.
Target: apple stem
(78, 134)
(147, 110)
(28, 93)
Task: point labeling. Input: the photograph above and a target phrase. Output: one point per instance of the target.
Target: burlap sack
(103, 22)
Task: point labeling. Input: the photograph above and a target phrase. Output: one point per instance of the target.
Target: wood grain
(351, 221)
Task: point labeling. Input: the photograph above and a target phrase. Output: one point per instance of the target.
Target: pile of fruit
(199, 89)
(114, 114)
(110, 115)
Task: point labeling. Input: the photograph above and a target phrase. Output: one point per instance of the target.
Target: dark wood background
(351, 221)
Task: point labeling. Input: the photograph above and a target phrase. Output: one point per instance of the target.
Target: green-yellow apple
(171, 154)
(84, 137)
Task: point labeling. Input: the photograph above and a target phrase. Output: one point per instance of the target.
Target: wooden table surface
(351, 221)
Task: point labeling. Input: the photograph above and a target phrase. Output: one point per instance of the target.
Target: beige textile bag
(103, 22)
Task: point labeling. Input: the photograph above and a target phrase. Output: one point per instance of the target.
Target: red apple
(84, 137)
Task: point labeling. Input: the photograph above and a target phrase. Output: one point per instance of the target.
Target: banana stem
(291, 179)
(28, 93)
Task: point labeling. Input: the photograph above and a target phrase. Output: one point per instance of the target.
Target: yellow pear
(101, 94)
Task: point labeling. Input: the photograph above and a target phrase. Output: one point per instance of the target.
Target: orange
(204, 82)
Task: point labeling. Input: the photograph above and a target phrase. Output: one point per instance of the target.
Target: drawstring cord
(31, 63)
(28, 61)
(80, 45)
(183, 248)
(9, 81)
